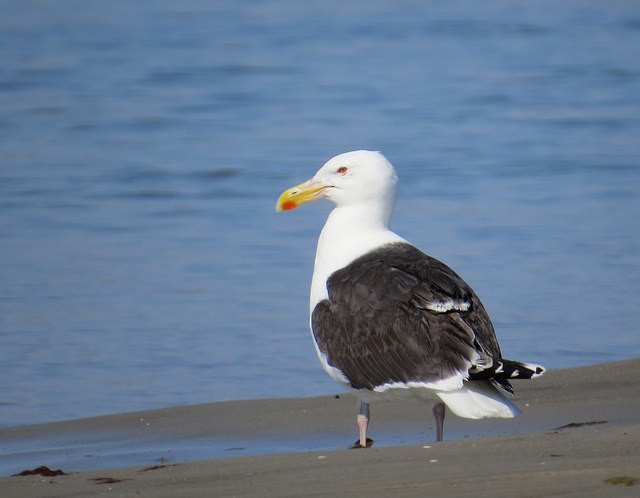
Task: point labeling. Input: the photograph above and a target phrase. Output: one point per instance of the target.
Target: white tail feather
(478, 399)
(537, 369)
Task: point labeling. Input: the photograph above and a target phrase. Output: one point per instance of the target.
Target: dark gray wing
(399, 315)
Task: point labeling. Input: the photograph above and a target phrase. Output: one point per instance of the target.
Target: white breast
(347, 235)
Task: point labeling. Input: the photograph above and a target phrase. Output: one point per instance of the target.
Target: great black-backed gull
(387, 318)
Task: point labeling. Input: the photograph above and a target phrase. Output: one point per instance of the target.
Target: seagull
(385, 317)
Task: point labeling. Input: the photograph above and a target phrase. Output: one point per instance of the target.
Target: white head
(359, 178)
(362, 184)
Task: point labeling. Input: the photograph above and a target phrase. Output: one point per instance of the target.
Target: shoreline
(586, 416)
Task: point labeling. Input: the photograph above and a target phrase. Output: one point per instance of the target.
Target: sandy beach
(579, 435)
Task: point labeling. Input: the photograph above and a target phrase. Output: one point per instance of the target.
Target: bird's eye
(342, 170)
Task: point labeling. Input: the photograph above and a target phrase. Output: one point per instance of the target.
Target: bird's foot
(358, 445)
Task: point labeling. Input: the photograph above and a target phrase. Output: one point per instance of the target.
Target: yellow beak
(293, 197)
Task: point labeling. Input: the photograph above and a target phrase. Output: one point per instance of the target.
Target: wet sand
(579, 435)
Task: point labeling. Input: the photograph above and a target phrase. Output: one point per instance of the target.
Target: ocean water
(143, 145)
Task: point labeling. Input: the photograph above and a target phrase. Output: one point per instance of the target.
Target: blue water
(143, 145)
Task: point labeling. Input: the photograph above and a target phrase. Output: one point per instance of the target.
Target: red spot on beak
(287, 205)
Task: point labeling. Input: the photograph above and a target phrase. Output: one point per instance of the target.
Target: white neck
(350, 232)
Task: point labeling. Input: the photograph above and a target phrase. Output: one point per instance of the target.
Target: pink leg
(363, 423)
(438, 413)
